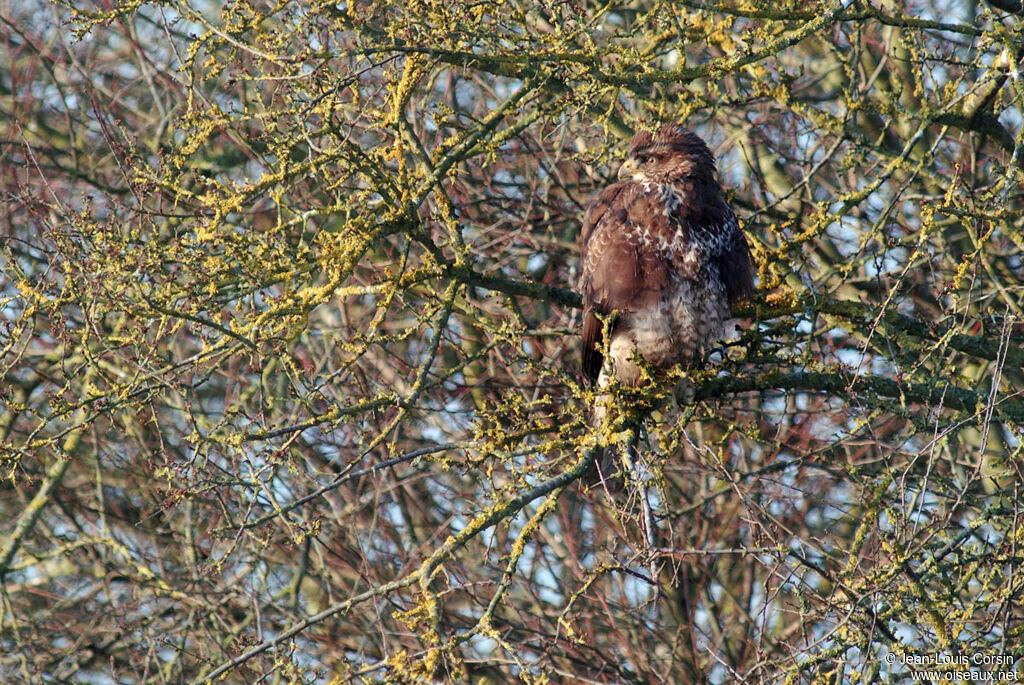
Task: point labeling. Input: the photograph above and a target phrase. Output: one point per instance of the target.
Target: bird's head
(670, 154)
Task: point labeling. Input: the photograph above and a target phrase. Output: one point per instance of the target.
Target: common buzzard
(663, 249)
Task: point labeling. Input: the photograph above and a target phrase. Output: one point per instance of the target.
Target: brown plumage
(663, 248)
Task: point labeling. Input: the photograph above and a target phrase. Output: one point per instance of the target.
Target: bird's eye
(648, 160)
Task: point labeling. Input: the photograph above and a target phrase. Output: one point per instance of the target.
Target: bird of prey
(663, 249)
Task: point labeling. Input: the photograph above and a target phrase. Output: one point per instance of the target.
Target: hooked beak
(627, 169)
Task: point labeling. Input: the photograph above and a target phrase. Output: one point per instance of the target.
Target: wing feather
(619, 270)
(734, 264)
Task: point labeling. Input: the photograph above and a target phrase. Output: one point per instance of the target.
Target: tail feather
(617, 464)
